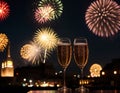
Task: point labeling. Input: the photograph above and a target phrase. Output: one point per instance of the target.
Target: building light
(115, 72)
(24, 79)
(103, 73)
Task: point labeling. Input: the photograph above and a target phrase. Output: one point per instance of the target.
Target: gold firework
(46, 38)
(95, 70)
(3, 41)
(25, 53)
(103, 17)
(31, 52)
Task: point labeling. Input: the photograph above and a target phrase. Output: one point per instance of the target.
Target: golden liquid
(81, 54)
(64, 53)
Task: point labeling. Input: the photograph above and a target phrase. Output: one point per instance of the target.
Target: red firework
(4, 10)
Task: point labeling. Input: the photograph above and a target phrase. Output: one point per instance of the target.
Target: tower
(7, 69)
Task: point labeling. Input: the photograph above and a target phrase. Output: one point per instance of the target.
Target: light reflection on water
(94, 91)
(42, 91)
(106, 91)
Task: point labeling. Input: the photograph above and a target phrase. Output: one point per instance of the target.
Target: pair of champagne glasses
(64, 54)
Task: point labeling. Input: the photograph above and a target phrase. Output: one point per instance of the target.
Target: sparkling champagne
(81, 54)
(64, 53)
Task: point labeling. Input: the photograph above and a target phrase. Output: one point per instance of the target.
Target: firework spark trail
(103, 17)
(45, 56)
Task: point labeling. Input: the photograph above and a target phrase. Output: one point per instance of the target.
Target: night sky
(20, 27)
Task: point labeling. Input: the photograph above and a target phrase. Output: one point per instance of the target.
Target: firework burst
(32, 52)
(44, 14)
(48, 10)
(103, 17)
(3, 41)
(46, 38)
(95, 70)
(4, 10)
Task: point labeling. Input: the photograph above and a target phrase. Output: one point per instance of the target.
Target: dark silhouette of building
(35, 72)
(110, 75)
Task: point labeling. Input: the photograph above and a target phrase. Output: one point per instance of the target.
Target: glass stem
(81, 76)
(64, 77)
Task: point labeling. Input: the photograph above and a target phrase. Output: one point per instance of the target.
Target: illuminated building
(7, 69)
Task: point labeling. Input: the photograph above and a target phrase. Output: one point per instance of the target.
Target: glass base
(64, 90)
(82, 89)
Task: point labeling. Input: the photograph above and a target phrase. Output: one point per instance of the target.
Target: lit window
(115, 72)
(103, 73)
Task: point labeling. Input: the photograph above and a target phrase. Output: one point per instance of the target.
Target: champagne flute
(81, 53)
(64, 54)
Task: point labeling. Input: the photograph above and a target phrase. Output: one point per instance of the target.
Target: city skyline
(20, 27)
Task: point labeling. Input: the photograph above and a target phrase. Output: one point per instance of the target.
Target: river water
(94, 91)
